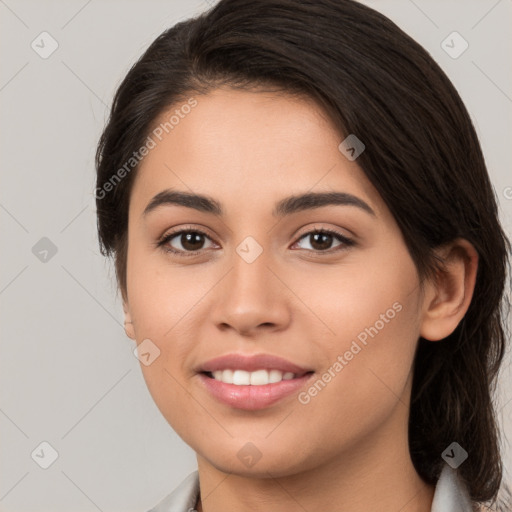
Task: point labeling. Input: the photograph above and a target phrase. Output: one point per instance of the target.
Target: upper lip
(251, 363)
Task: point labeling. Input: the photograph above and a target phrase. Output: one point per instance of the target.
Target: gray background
(68, 374)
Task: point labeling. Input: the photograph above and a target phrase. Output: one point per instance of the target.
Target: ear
(449, 294)
(128, 325)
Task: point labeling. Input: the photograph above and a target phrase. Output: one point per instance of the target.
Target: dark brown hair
(422, 155)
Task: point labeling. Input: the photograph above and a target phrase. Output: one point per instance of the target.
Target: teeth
(256, 378)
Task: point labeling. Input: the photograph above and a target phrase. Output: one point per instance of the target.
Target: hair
(422, 155)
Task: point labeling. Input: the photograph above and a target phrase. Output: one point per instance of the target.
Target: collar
(450, 494)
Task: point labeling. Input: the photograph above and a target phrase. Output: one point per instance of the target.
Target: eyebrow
(286, 206)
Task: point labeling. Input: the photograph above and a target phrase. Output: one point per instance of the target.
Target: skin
(349, 445)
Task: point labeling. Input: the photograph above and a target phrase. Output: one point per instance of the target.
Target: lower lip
(252, 398)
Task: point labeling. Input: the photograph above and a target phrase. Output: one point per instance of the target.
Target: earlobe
(449, 294)
(128, 325)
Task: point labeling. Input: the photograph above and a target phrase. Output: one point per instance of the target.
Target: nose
(252, 298)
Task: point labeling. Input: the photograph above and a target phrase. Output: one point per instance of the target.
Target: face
(330, 289)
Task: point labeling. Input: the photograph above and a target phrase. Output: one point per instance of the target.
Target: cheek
(166, 308)
(161, 294)
(373, 314)
(375, 295)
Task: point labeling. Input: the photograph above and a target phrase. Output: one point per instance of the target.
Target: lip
(251, 363)
(252, 397)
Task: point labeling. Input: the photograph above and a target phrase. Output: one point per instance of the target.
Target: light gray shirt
(450, 495)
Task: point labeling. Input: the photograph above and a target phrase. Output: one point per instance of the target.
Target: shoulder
(183, 498)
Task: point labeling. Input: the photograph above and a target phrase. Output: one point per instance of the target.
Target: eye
(189, 242)
(320, 240)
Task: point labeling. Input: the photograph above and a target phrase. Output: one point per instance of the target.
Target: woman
(310, 259)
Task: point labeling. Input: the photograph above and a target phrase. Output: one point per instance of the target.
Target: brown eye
(322, 240)
(185, 242)
(191, 240)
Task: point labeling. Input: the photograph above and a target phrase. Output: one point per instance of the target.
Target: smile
(256, 378)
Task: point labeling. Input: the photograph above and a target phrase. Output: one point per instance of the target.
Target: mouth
(251, 381)
(262, 377)
(242, 364)
(251, 391)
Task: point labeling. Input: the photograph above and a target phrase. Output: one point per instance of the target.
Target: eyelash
(346, 242)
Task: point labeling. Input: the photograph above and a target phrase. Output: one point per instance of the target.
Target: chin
(247, 460)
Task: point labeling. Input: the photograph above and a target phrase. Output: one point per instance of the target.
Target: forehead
(247, 147)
